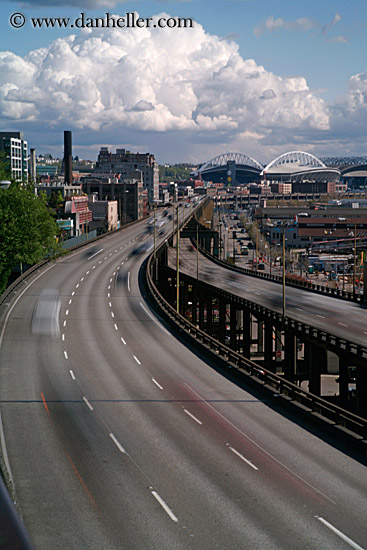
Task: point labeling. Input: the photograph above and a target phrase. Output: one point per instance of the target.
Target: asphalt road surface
(340, 317)
(120, 437)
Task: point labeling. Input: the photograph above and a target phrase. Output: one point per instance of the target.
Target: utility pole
(355, 258)
(177, 265)
(197, 251)
(155, 254)
(283, 270)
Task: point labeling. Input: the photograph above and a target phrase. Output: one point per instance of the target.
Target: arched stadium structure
(298, 166)
(240, 168)
(355, 176)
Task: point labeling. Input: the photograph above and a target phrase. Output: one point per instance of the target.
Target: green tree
(4, 167)
(27, 229)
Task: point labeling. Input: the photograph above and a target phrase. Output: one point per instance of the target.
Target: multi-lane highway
(120, 437)
(344, 319)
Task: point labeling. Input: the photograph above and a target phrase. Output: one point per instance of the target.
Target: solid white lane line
(299, 308)
(321, 316)
(342, 324)
(157, 383)
(95, 254)
(5, 451)
(66, 354)
(340, 534)
(87, 403)
(116, 327)
(193, 417)
(136, 359)
(164, 506)
(72, 375)
(128, 281)
(123, 341)
(118, 444)
(153, 319)
(242, 457)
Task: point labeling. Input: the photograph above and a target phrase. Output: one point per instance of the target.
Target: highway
(118, 436)
(339, 317)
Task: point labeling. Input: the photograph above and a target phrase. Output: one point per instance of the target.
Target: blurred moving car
(45, 319)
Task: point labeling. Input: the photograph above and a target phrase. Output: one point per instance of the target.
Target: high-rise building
(13, 145)
(124, 163)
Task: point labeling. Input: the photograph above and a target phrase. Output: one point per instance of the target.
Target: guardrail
(304, 285)
(10, 289)
(339, 417)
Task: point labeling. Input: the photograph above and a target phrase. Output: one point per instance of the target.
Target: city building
(129, 193)
(104, 214)
(77, 210)
(15, 149)
(124, 162)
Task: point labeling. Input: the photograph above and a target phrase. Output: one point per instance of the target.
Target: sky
(259, 77)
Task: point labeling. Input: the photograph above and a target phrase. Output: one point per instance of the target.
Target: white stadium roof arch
(299, 160)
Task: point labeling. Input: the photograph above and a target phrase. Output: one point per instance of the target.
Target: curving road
(120, 437)
(339, 317)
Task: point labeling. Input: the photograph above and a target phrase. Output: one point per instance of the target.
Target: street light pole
(283, 270)
(155, 255)
(197, 251)
(177, 265)
(355, 258)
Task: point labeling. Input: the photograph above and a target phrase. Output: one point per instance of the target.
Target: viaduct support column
(361, 383)
(343, 379)
(201, 311)
(313, 361)
(290, 356)
(246, 334)
(222, 320)
(268, 350)
(233, 326)
(209, 314)
(260, 336)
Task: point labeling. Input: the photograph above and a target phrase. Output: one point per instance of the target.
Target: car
(261, 267)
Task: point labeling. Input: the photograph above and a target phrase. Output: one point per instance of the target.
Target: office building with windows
(123, 163)
(15, 150)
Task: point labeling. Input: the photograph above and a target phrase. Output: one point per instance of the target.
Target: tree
(4, 167)
(27, 230)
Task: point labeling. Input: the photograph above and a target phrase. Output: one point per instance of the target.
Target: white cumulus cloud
(184, 85)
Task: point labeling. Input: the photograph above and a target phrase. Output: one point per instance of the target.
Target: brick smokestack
(68, 159)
